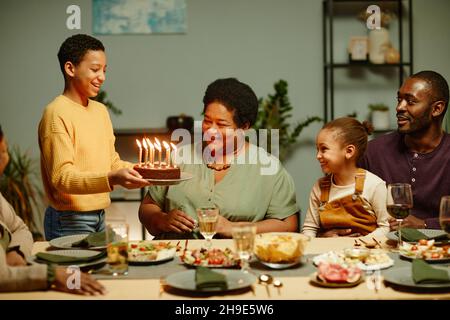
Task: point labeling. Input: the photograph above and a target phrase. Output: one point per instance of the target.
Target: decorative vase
(380, 120)
(378, 43)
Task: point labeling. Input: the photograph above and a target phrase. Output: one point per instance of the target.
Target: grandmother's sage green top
(256, 187)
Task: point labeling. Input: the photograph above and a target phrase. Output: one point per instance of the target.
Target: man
(419, 152)
(79, 163)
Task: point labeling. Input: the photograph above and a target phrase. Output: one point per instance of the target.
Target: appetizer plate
(316, 280)
(223, 258)
(340, 258)
(77, 254)
(185, 280)
(147, 253)
(184, 176)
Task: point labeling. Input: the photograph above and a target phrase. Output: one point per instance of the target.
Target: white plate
(428, 232)
(67, 241)
(403, 277)
(163, 256)
(236, 279)
(168, 182)
(327, 257)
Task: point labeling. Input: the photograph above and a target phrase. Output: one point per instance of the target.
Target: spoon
(278, 284)
(266, 279)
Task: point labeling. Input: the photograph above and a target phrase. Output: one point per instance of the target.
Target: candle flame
(157, 143)
(144, 144)
(166, 145)
(149, 143)
(158, 146)
(174, 147)
(139, 144)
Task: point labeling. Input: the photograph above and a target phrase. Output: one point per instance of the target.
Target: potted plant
(19, 186)
(274, 112)
(101, 97)
(379, 116)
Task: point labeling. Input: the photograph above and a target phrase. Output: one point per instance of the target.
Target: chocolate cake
(160, 173)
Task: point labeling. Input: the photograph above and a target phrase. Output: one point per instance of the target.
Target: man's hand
(14, 259)
(338, 233)
(88, 285)
(177, 221)
(224, 227)
(409, 222)
(127, 178)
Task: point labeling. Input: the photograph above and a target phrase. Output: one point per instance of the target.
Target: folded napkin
(422, 272)
(95, 239)
(413, 235)
(206, 278)
(59, 259)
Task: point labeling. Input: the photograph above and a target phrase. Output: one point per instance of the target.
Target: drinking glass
(399, 202)
(244, 240)
(207, 222)
(444, 214)
(117, 247)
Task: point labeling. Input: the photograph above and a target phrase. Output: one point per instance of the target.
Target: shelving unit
(404, 67)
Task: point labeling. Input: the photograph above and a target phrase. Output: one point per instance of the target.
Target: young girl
(348, 201)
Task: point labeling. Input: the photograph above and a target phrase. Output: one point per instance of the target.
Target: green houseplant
(19, 186)
(274, 113)
(101, 97)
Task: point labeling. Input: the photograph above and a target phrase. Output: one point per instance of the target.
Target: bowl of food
(360, 254)
(280, 250)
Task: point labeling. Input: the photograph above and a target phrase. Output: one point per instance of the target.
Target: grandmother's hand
(410, 222)
(224, 227)
(177, 221)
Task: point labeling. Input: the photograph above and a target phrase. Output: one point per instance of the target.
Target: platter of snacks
(427, 250)
(280, 250)
(363, 258)
(147, 252)
(335, 275)
(212, 258)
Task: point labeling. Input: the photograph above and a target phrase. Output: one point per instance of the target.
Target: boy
(79, 163)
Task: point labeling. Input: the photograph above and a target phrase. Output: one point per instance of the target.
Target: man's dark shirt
(428, 173)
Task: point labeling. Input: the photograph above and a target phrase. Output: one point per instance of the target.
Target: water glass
(207, 222)
(117, 247)
(244, 240)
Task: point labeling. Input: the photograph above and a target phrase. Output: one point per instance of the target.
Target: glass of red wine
(444, 214)
(399, 202)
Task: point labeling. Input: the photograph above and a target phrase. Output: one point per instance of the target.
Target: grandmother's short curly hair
(237, 97)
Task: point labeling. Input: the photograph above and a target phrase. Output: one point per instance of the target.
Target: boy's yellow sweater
(77, 152)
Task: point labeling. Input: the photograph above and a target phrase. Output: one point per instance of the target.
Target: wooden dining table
(294, 287)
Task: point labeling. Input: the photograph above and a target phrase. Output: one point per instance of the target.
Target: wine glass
(444, 214)
(399, 202)
(244, 239)
(207, 221)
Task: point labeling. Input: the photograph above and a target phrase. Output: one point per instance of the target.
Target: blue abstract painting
(138, 16)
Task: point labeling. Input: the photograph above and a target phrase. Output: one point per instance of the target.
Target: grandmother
(228, 173)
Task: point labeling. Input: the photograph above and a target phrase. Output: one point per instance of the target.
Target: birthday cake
(158, 172)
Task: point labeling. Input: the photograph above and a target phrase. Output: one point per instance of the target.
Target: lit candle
(151, 152)
(174, 147)
(144, 143)
(158, 146)
(167, 147)
(140, 152)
